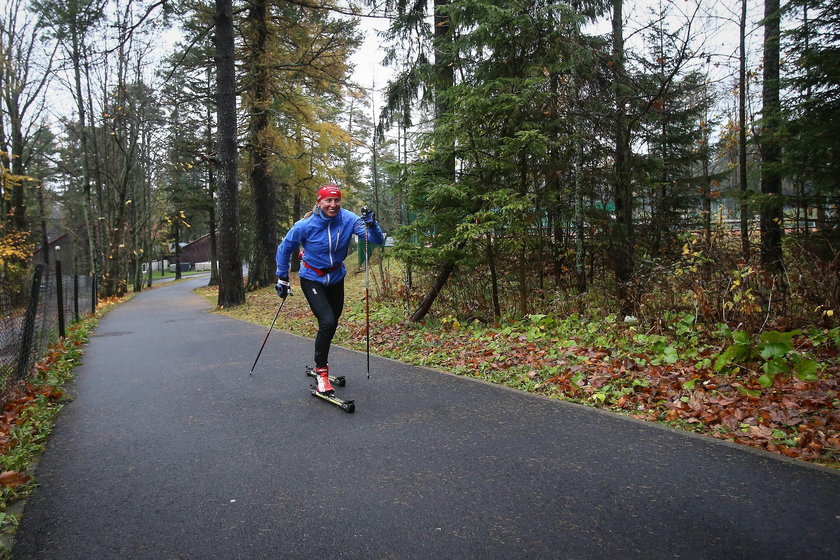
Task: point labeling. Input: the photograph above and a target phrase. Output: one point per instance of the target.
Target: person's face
(330, 206)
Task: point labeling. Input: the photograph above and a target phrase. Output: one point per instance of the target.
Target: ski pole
(266, 336)
(367, 296)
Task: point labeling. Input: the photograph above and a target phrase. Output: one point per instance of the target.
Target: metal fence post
(29, 323)
(59, 291)
(93, 294)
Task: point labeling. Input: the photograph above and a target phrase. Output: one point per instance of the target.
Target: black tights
(327, 303)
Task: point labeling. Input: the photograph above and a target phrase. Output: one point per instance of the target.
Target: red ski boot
(322, 374)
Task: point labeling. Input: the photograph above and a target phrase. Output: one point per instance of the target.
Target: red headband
(328, 191)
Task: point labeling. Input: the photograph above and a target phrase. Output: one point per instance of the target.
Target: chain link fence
(35, 315)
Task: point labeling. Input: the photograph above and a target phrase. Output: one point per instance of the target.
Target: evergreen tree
(672, 130)
(502, 128)
(811, 133)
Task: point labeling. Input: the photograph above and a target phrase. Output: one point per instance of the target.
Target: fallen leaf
(13, 479)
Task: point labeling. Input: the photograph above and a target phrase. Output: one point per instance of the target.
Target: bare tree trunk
(177, 226)
(623, 243)
(45, 240)
(444, 71)
(742, 134)
(261, 271)
(494, 277)
(523, 249)
(231, 290)
(93, 246)
(211, 193)
(772, 215)
(580, 247)
(707, 201)
(432, 294)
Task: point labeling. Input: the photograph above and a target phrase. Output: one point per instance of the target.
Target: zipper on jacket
(329, 244)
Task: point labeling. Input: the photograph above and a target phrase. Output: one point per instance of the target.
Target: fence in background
(37, 315)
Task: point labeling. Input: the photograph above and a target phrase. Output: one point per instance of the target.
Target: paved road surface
(170, 450)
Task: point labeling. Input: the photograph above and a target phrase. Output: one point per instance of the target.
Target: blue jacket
(325, 242)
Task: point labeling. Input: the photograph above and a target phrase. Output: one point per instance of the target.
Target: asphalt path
(171, 450)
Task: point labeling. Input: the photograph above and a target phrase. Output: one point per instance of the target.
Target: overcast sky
(717, 31)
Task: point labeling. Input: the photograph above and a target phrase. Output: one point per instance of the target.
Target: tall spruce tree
(811, 128)
(672, 130)
(501, 127)
(624, 238)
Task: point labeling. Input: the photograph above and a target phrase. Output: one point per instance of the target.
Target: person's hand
(283, 288)
(368, 216)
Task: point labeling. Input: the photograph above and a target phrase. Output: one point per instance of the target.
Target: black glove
(368, 216)
(283, 288)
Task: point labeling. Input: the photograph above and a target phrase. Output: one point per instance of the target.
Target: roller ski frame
(346, 406)
(338, 381)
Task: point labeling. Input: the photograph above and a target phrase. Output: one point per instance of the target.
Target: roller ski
(346, 406)
(338, 381)
(325, 391)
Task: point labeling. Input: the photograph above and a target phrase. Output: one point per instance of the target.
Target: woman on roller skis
(324, 235)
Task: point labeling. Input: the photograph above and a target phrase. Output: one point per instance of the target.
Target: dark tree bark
(177, 227)
(231, 290)
(742, 134)
(260, 270)
(211, 193)
(431, 295)
(623, 239)
(444, 71)
(523, 248)
(494, 277)
(580, 246)
(772, 215)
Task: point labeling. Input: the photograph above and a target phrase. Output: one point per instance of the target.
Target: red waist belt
(321, 271)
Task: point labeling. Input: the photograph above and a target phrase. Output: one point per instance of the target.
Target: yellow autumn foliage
(14, 246)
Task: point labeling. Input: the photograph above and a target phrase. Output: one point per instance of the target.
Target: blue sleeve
(289, 245)
(376, 235)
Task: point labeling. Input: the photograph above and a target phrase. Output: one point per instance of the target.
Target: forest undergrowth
(776, 390)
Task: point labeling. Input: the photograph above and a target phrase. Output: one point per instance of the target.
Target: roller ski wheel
(338, 381)
(346, 406)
